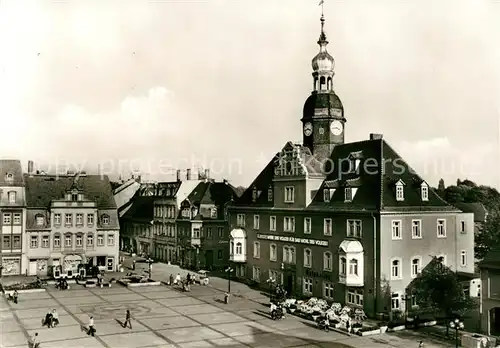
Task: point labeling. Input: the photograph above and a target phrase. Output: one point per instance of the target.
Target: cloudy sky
(221, 83)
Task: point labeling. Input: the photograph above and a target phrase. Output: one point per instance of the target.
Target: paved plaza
(165, 317)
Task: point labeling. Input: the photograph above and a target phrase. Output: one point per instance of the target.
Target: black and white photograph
(250, 173)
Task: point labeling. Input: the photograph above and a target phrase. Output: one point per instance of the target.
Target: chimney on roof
(188, 174)
(207, 174)
(30, 168)
(178, 173)
(225, 181)
(376, 136)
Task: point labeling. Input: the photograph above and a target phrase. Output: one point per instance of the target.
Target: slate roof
(262, 183)
(42, 189)
(13, 167)
(380, 168)
(211, 192)
(321, 101)
(477, 209)
(142, 209)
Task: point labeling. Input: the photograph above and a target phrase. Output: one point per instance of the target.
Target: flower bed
(135, 281)
(22, 288)
(368, 331)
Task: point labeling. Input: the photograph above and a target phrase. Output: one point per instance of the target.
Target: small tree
(386, 293)
(438, 290)
(487, 236)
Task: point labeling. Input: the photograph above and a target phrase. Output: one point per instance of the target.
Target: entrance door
(289, 284)
(209, 259)
(32, 268)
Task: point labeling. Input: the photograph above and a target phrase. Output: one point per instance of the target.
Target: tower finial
(321, 2)
(322, 36)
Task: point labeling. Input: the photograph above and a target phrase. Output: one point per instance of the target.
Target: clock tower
(323, 115)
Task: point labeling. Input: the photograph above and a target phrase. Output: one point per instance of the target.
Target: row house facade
(13, 215)
(343, 221)
(70, 220)
(490, 293)
(203, 227)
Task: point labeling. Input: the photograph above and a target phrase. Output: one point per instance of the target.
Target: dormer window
(213, 213)
(400, 195)
(254, 194)
(424, 192)
(185, 213)
(105, 219)
(270, 194)
(348, 194)
(354, 165)
(12, 196)
(326, 195)
(74, 197)
(9, 177)
(39, 220)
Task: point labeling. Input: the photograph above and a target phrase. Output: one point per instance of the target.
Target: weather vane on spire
(321, 2)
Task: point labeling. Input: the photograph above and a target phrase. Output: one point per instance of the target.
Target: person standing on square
(127, 320)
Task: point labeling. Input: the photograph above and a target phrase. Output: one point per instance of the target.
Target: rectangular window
(256, 222)
(68, 241)
(7, 218)
(396, 230)
(395, 301)
(308, 285)
(68, 219)
(272, 223)
(45, 241)
(289, 194)
(220, 232)
(79, 241)
(462, 227)
(400, 192)
(355, 297)
(208, 232)
(275, 276)
(328, 290)
(463, 258)
(16, 244)
(425, 192)
(90, 219)
(441, 228)
(100, 240)
(326, 195)
(17, 218)
(270, 194)
(273, 252)
(39, 220)
(348, 194)
(57, 241)
(57, 219)
(256, 250)
(327, 227)
(90, 240)
(111, 239)
(416, 265)
(240, 220)
(6, 243)
(307, 225)
(79, 219)
(12, 197)
(219, 255)
(289, 224)
(196, 233)
(256, 274)
(34, 242)
(416, 229)
(354, 228)
(396, 269)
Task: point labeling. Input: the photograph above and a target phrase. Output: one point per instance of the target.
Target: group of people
(62, 284)
(51, 319)
(14, 297)
(185, 284)
(277, 311)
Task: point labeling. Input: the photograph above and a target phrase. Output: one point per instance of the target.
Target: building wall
(11, 243)
(406, 248)
(165, 230)
(300, 193)
(490, 297)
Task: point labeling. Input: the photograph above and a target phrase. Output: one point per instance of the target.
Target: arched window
(286, 254)
(329, 83)
(415, 266)
(322, 83)
(239, 248)
(105, 219)
(307, 258)
(315, 86)
(327, 261)
(353, 267)
(395, 268)
(273, 252)
(343, 266)
(292, 254)
(232, 248)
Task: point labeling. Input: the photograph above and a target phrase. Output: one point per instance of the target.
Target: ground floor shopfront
(11, 265)
(165, 252)
(70, 264)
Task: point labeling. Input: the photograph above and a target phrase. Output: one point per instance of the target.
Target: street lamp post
(229, 270)
(457, 324)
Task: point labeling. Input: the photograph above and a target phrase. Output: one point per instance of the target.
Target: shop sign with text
(293, 240)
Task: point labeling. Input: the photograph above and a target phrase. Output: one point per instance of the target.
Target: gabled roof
(212, 193)
(124, 193)
(41, 190)
(261, 183)
(14, 168)
(375, 181)
(477, 209)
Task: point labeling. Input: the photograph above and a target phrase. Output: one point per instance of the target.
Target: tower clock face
(336, 127)
(308, 129)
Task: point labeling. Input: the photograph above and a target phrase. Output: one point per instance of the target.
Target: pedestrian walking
(421, 344)
(171, 279)
(91, 326)
(127, 320)
(34, 342)
(15, 296)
